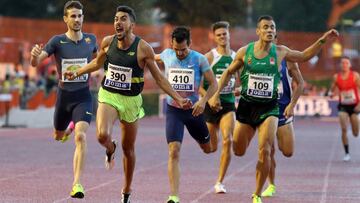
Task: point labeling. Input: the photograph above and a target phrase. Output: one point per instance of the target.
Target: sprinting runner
(347, 82)
(71, 50)
(185, 68)
(124, 57)
(290, 76)
(219, 59)
(259, 63)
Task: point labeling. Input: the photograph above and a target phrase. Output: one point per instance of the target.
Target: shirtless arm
(312, 50)
(295, 73)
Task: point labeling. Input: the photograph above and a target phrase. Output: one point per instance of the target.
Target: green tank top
(123, 75)
(260, 77)
(219, 65)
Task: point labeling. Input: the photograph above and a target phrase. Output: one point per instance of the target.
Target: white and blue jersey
(285, 93)
(184, 75)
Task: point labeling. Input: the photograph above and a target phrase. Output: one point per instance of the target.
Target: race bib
(118, 77)
(73, 65)
(348, 97)
(260, 86)
(181, 79)
(229, 88)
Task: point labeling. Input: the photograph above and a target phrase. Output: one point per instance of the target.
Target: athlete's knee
(264, 154)
(288, 153)
(238, 151)
(103, 135)
(226, 143)
(174, 152)
(128, 150)
(80, 137)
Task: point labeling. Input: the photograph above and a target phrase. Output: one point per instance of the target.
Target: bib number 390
(118, 77)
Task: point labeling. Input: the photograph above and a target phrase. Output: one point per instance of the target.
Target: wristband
(322, 41)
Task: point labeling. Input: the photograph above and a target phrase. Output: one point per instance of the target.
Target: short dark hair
(346, 57)
(72, 4)
(180, 34)
(128, 10)
(220, 24)
(264, 17)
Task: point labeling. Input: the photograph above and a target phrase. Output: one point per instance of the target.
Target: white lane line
(327, 173)
(225, 180)
(21, 175)
(113, 181)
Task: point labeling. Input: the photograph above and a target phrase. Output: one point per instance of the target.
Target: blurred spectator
(51, 81)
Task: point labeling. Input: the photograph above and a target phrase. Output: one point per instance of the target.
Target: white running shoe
(219, 188)
(347, 157)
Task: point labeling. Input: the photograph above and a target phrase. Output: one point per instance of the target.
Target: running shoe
(219, 188)
(270, 191)
(125, 198)
(109, 158)
(173, 199)
(68, 132)
(256, 198)
(77, 191)
(347, 157)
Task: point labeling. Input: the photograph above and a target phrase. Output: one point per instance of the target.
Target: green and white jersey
(218, 66)
(260, 77)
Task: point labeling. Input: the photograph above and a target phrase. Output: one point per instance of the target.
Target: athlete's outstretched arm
(209, 57)
(295, 74)
(161, 81)
(95, 64)
(333, 86)
(308, 53)
(357, 82)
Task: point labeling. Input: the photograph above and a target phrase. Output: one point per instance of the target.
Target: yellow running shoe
(173, 199)
(77, 191)
(270, 191)
(256, 198)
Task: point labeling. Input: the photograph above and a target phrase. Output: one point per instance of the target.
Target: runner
(185, 68)
(259, 64)
(71, 50)
(347, 82)
(220, 58)
(124, 56)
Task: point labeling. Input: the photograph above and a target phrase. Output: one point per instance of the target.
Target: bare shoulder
(209, 55)
(106, 41)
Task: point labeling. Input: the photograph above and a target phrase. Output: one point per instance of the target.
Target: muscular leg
(80, 150)
(354, 120)
(343, 118)
(227, 127)
(243, 133)
(129, 131)
(267, 131)
(105, 118)
(174, 167)
(213, 131)
(271, 176)
(286, 137)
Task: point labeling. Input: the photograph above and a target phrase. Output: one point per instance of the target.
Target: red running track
(35, 168)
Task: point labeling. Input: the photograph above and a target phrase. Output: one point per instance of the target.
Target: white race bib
(348, 97)
(181, 79)
(229, 88)
(73, 65)
(118, 77)
(260, 86)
